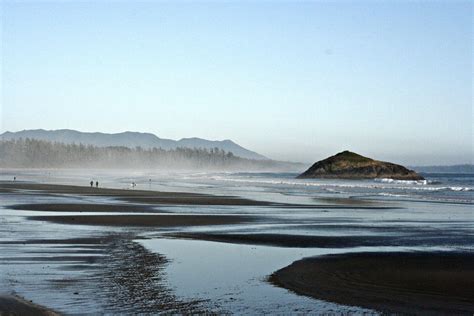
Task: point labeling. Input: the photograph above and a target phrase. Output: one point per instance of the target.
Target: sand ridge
(395, 282)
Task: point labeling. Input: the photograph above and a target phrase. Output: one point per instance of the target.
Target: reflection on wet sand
(123, 274)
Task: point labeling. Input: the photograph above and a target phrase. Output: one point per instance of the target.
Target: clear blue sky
(291, 80)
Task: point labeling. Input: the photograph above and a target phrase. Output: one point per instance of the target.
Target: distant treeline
(32, 153)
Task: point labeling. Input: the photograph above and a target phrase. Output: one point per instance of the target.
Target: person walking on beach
(97, 184)
(92, 184)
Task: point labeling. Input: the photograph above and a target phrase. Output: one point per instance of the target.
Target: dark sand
(168, 198)
(137, 196)
(146, 220)
(414, 237)
(82, 207)
(415, 283)
(14, 305)
(283, 240)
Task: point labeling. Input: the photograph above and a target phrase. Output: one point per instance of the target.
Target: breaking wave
(417, 182)
(421, 185)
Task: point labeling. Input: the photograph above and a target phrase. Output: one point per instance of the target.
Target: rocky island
(349, 165)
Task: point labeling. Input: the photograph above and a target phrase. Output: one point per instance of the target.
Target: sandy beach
(85, 207)
(296, 241)
(407, 283)
(164, 198)
(146, 197)
(137, 196)
(391, 236)
(145, 220)
(427, 282)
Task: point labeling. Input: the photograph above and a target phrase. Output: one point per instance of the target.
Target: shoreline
(165, 198)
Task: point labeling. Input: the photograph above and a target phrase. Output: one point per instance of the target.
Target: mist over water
(34, 153)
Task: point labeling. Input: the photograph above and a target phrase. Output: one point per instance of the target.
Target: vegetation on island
(349, 165)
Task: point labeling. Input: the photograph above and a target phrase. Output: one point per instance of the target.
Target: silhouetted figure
(14, 178)
(92, 184)
(97, 184)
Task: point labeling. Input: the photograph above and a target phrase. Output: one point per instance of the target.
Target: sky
(292, 80)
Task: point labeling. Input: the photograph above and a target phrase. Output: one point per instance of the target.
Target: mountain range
(130, 139)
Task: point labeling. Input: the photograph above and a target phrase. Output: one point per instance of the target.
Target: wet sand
(156, 197)
(405, 283)
(15, 305)
(409, 238)
(291, 241)
(137, 196)
(83, 207)
(417, 283)
(146, 220)
(118, 271)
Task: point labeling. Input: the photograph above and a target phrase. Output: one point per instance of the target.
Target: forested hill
(129, 139)
(32, 153)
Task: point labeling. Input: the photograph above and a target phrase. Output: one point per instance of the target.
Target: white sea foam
(417, 182)
(460, 189)
(419, 185)
(392, 194)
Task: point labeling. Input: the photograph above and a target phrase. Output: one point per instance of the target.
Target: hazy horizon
(291, 81)
(303, 162)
